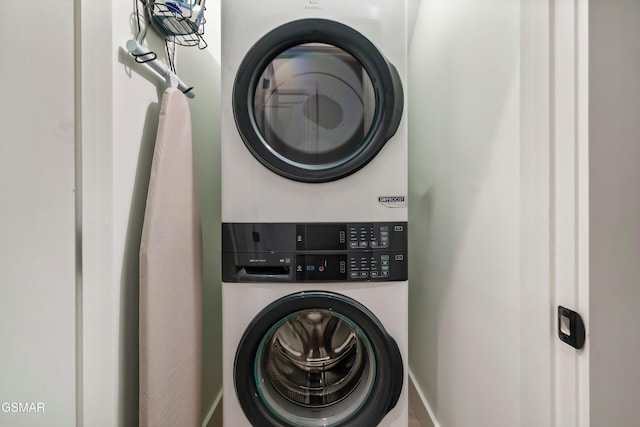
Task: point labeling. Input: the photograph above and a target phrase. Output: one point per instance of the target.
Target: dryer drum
(314, 100)
(317, 359)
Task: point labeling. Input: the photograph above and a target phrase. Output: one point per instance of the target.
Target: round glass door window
(315, 101)
(325, 361)
(314, 105)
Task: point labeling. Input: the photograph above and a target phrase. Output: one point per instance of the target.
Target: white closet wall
(37, 217)
(480, 323)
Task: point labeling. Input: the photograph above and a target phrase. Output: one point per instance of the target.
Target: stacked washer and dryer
(314, 185)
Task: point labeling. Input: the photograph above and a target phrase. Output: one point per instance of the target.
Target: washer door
(317, 359)
(314, 100)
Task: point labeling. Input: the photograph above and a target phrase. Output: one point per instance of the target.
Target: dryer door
(317, 359)
(314, 100)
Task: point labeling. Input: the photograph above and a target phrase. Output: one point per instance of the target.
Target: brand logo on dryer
(312, 4)
(393, 201)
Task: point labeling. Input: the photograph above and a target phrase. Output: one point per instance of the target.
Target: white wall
(201, 69)
(465, 199)
(614, 109)
(37, 217)
(499, 207)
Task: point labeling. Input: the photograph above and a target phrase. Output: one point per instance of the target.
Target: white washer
(313, 121)
(252, 309)
(314, 324)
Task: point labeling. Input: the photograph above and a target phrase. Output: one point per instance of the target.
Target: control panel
(284, 252)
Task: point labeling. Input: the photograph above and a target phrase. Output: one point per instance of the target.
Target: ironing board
(171, 278)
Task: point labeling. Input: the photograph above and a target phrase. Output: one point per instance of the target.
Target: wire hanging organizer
(180, 21)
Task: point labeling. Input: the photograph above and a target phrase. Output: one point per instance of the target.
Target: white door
(37, 216)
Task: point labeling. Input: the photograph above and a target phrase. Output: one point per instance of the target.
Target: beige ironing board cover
(171, 278)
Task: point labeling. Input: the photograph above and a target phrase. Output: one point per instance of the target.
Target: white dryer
(313, 123)
(314, 185)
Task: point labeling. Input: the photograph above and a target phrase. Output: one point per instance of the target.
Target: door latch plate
(571, 328)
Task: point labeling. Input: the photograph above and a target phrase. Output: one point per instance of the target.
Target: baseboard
(214, 416)
(421, 408)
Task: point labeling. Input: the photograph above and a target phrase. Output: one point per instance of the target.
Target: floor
(413, 421)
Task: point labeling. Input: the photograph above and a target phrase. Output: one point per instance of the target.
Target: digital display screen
(319, 237)
(321, 267)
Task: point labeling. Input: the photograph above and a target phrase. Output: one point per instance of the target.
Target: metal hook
(140, 57)
(137, 52)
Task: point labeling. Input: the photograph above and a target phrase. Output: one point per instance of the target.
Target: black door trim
(384, 77)
(387, 385)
